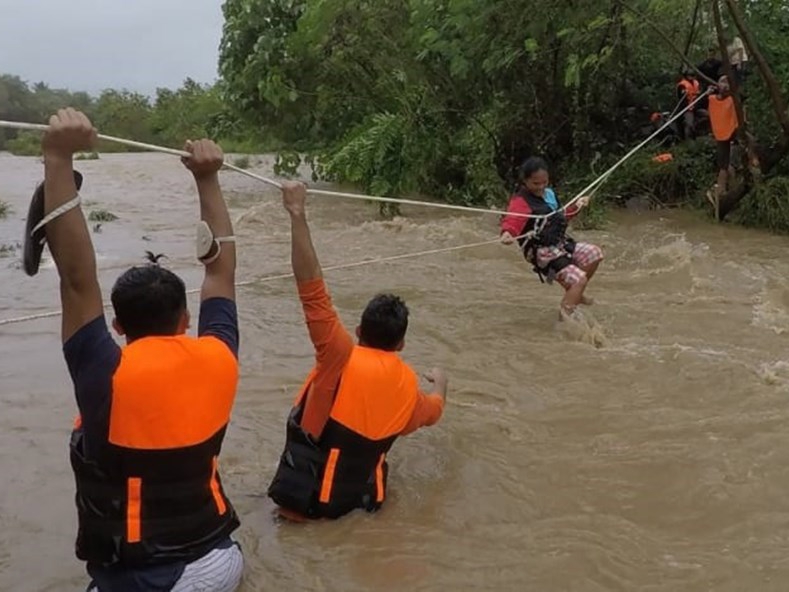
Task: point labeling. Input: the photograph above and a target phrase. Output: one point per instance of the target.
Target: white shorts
(218, 571)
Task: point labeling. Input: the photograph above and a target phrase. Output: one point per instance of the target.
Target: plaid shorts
(585, 255)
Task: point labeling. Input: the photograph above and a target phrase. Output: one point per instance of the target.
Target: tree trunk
(728, 201)
(768, 158)
(778, 101)
(727, 67)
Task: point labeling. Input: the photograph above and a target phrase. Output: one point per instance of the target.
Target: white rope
(271, 182)
(271, 278)
(627, 156)
(592, 187)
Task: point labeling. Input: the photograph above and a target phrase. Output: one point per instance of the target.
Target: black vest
(549, 231)
(174, 496)
(358, 471)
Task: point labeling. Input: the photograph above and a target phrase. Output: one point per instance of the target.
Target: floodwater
(644, 447)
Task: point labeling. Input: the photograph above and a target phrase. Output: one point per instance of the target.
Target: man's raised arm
(332, 343)
(67, 234)
(220, 257)
(303, 258)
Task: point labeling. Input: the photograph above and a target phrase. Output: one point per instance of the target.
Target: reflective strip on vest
(328, 475)
(133, 510)
(221, 507)
(379, 480)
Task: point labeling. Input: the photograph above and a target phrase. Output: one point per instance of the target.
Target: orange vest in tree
(692, 90)
(723, 118)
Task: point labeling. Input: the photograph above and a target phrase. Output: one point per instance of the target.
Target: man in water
(356, 401)
(152, 415)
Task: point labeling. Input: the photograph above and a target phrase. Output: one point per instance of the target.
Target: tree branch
(692, 32)
(668, 40)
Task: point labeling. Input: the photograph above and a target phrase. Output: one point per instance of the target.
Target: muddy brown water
(645, 447)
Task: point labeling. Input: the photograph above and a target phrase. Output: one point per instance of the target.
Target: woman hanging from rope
(544, 239)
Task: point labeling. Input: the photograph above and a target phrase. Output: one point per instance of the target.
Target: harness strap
(554, 266)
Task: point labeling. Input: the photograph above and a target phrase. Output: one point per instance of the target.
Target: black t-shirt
(712, 68)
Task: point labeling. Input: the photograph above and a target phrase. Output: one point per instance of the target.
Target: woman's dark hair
(530, 166)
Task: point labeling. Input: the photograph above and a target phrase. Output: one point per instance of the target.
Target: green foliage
(593, 217)
(684, 179)
(102, 216)
(25, 144)
(287, 163)
(87, 156)
(123, 114)
(4, 209)
(444, 97)
(190, 112)
(452, 85)
(447, 97)
(767, 206)
(8, 249)
(241, 162)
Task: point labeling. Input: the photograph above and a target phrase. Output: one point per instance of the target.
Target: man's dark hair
(148, 300)
(384, 322)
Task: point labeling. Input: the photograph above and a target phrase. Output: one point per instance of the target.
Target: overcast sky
(95, 44)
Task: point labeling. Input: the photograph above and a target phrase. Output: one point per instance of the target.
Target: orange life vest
(346, 468)
(723, 118)
(692, 90)
(153, 495)
(664, 157)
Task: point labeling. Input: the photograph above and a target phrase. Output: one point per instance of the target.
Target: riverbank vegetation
(446, 97)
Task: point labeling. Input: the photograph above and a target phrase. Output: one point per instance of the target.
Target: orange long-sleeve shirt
(333, 345)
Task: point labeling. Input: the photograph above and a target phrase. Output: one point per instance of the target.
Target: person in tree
(738, 58)
(544, 240)
(688, 90)
(712, 68)
(725, 126)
